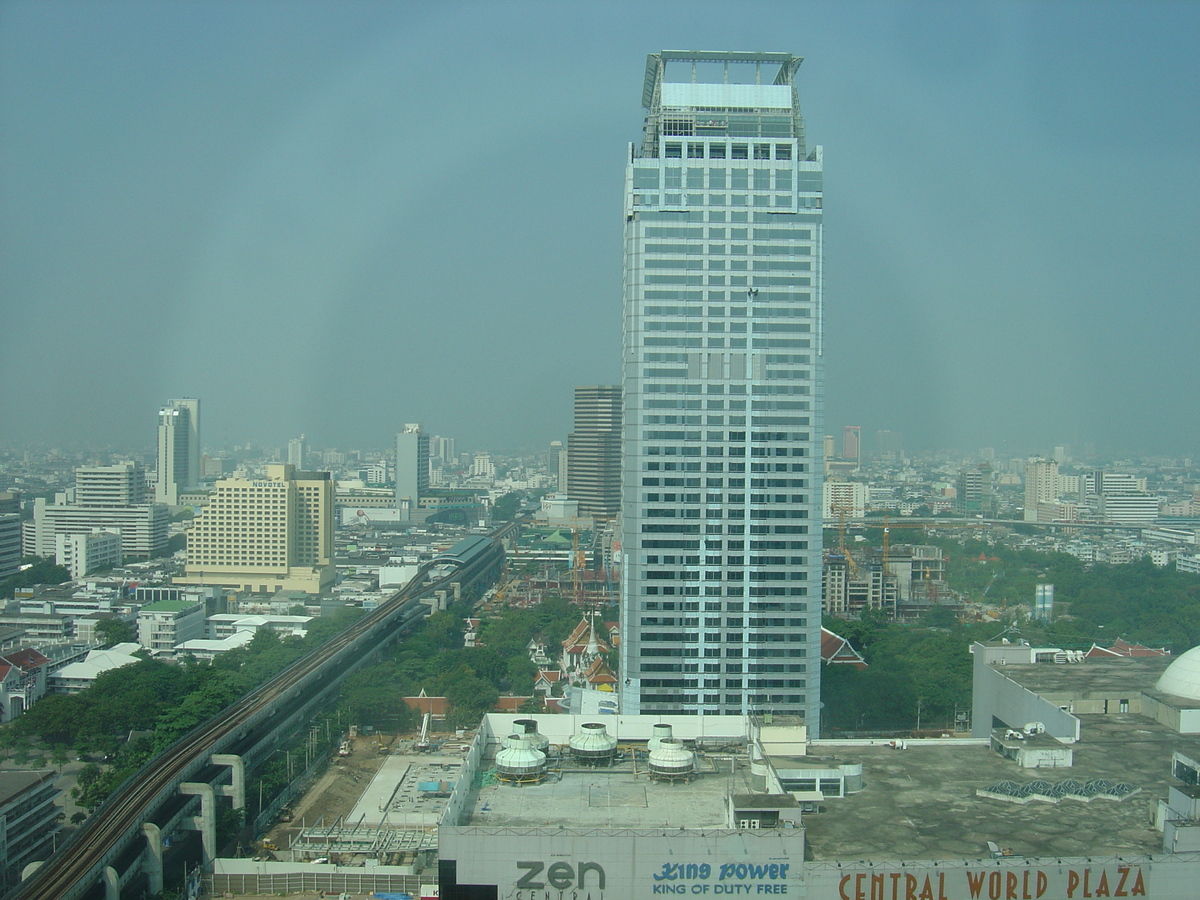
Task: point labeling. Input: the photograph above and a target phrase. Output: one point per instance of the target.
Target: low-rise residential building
(22, 681)
(38, 627)
(223, 625)
(208, 648)
(79, 676)
(83, 554)
(164, 624)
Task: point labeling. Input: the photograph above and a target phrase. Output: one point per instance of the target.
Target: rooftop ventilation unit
(670, 762)
(533, 737)
(658, 733)
(520, 763)
(593, 745)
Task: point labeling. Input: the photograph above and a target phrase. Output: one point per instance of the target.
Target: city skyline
(291, 215)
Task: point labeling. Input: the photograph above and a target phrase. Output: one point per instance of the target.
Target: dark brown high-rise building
(594, 452)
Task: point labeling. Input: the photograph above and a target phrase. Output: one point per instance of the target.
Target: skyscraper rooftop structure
(722, 384)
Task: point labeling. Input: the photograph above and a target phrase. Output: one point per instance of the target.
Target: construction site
(568, 561)
(900, 577)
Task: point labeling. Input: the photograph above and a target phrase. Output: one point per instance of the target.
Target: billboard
(626, 864)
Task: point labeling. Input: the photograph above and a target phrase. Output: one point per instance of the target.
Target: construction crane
(423, 741)
(841, 511)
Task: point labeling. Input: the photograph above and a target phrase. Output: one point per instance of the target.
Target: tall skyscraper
(412, 468)
(178, 449)
(852, 443)
(266, 534)
(722, 378)
(594, 452)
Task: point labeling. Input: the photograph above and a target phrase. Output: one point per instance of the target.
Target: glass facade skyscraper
(722, 384)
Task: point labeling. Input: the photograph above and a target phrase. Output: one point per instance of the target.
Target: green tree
(115, 631)
(38, 571)
(444, 631)
(506, 507)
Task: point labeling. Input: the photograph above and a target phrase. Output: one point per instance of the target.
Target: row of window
(697, 232)
(737, 179)
(693, 590)
(654, 560)
(729, 683)
(713, 622)
(731, 280)
(710, 638)
(729, 606)
(694, 359)
(730, 668)
(758, 575)
(730, 249)
(718, 652)
(733, 312)
(759, 201)
(724, 150)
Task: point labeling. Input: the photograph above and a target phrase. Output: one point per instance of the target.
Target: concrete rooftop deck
(920, 803)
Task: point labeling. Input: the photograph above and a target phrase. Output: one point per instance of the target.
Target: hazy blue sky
(338, 217)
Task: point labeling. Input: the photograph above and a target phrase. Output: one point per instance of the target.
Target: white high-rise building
(722, 377)
(1041, 486)
(178, 449)
(111, 498)
(412, 468)
(297, 451)
(123, 484)
(844, 500)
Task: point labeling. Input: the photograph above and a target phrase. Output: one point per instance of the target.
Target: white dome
(1182, 677)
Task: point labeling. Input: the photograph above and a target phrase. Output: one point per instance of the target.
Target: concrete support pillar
(112, 884)
(236, 790)
(206, 822)
(153, 866)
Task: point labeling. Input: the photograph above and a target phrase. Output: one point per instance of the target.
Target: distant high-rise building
(974, 490)
(844, 500)
(412, 468)
(297, 451)
(265, 534)
(594, 452)
(852, 443)
(1041, 486)
(482, 466)
(10, 541)
(444, 449)
(889, 444)
(178, 449)
(556, 450)
(722, 393)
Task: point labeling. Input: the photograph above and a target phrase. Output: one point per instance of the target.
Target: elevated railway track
(81, 865)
